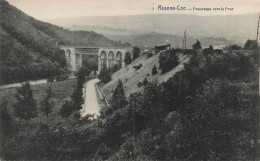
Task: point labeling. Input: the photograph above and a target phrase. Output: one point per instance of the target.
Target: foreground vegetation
(208, 111)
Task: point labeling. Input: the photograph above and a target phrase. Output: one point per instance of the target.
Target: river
(91, 105)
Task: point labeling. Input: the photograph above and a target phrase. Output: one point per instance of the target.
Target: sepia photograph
(129, 80)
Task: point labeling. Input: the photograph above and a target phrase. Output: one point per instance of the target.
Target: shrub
(149, 55)
(138, 67)
(145, 81)
(139, 84)
(62, 77)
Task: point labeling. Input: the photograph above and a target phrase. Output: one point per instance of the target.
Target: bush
(145, 81)
(138, 67)
(154, 70)
(62, 77)
(149, 55)
(139, 84)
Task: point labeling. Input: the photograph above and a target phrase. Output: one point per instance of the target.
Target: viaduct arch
(106, 57)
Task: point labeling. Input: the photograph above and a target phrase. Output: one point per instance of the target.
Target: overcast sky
(51, 9)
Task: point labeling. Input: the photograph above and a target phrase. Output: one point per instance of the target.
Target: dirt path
(32, 82)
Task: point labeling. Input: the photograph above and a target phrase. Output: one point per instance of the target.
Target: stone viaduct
(106, 57)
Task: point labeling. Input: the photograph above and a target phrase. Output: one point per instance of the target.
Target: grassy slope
(130, 77)
(62, 90)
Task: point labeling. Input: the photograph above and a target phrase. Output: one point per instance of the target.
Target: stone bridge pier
(107, 58)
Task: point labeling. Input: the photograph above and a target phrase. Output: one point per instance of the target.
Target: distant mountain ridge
(233, 27)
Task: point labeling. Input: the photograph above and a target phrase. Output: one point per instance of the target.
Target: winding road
(91, 105)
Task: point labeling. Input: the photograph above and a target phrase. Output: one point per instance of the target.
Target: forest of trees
(208, 111)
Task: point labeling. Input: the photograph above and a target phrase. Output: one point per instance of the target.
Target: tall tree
(26, 107)
(118, 99)
(47, 103)
(136, 51)
(77, 96)
(66, 109)
(250, 45)
(128, 58)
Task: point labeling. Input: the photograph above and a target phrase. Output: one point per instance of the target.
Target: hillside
(29, 48)
(130, 77)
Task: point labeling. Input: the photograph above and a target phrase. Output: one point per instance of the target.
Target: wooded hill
(29, 47)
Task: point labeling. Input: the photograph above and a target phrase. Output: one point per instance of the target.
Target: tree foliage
(250, 45)
(66, 109)
(208, 51)
(77, 96)
(6, 120)
(197, 45)
(47, 103)
(118, 99)
(105, 75)
(168, 60)
(128, 58)
(136, 52)
(26, 107)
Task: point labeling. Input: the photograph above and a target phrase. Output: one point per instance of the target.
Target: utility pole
(134, 120)
(134, 151)
(257, 32)
(184, 41)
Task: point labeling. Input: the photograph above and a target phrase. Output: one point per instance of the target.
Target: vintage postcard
(144, 80)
